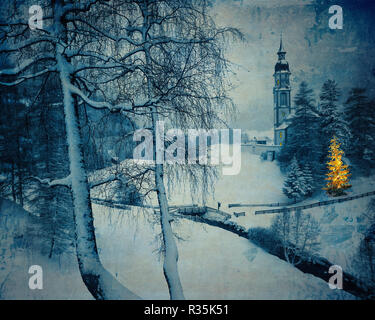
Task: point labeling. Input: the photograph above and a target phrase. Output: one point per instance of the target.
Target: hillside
(214, 264)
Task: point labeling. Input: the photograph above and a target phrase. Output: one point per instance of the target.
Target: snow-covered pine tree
(309, 180)
(295, 185)
(303, 134)
(331, 119)
(360, 114)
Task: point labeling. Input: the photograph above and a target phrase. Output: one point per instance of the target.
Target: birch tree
(182, 68)
(63, 49)
(298, 233)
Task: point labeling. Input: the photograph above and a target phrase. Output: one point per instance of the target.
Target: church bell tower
(281, 95)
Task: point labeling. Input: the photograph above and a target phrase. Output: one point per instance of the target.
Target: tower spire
(281, 49)
(281, 53)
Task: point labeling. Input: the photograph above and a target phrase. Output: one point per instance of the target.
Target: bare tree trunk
(170, 268)
(98, 280)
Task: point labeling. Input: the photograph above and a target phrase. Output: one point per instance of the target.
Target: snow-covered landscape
(213, 263)
(185, 150)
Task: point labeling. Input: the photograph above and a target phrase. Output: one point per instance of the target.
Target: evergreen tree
(338, 175)
(303, 133)
(309, 180)
(332, 120)
(360, 114)
(53, 224)
(295, 185)
(15, 145)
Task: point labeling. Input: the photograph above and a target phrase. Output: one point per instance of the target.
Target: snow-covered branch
(6, 48)
(106, 34)
(96, 181)
(76, 7)
(105, 105)
(114, 65)
(125, 171)
(25, 64)
(64, 182)
(198, 40)
(28, 76)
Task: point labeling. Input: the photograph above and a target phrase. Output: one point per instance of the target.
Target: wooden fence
(253, 205)
(315, 204)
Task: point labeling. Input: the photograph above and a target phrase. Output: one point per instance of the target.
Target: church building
(282, 99)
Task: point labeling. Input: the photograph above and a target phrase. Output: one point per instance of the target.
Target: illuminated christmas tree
(338, 174)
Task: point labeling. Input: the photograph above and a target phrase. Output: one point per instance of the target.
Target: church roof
(282, 126)
(286, 123)
(282, 65)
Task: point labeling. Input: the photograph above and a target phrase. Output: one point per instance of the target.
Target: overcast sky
(314, 52)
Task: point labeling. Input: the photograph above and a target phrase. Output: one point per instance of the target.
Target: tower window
(283, 99)
(281, 134)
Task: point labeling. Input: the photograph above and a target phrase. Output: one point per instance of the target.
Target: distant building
(281, 97)
(283, 113)
(264, 140)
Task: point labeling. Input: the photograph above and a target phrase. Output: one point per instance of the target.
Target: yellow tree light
(338, 172)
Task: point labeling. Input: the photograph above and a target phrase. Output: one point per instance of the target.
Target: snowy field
(214, 263)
